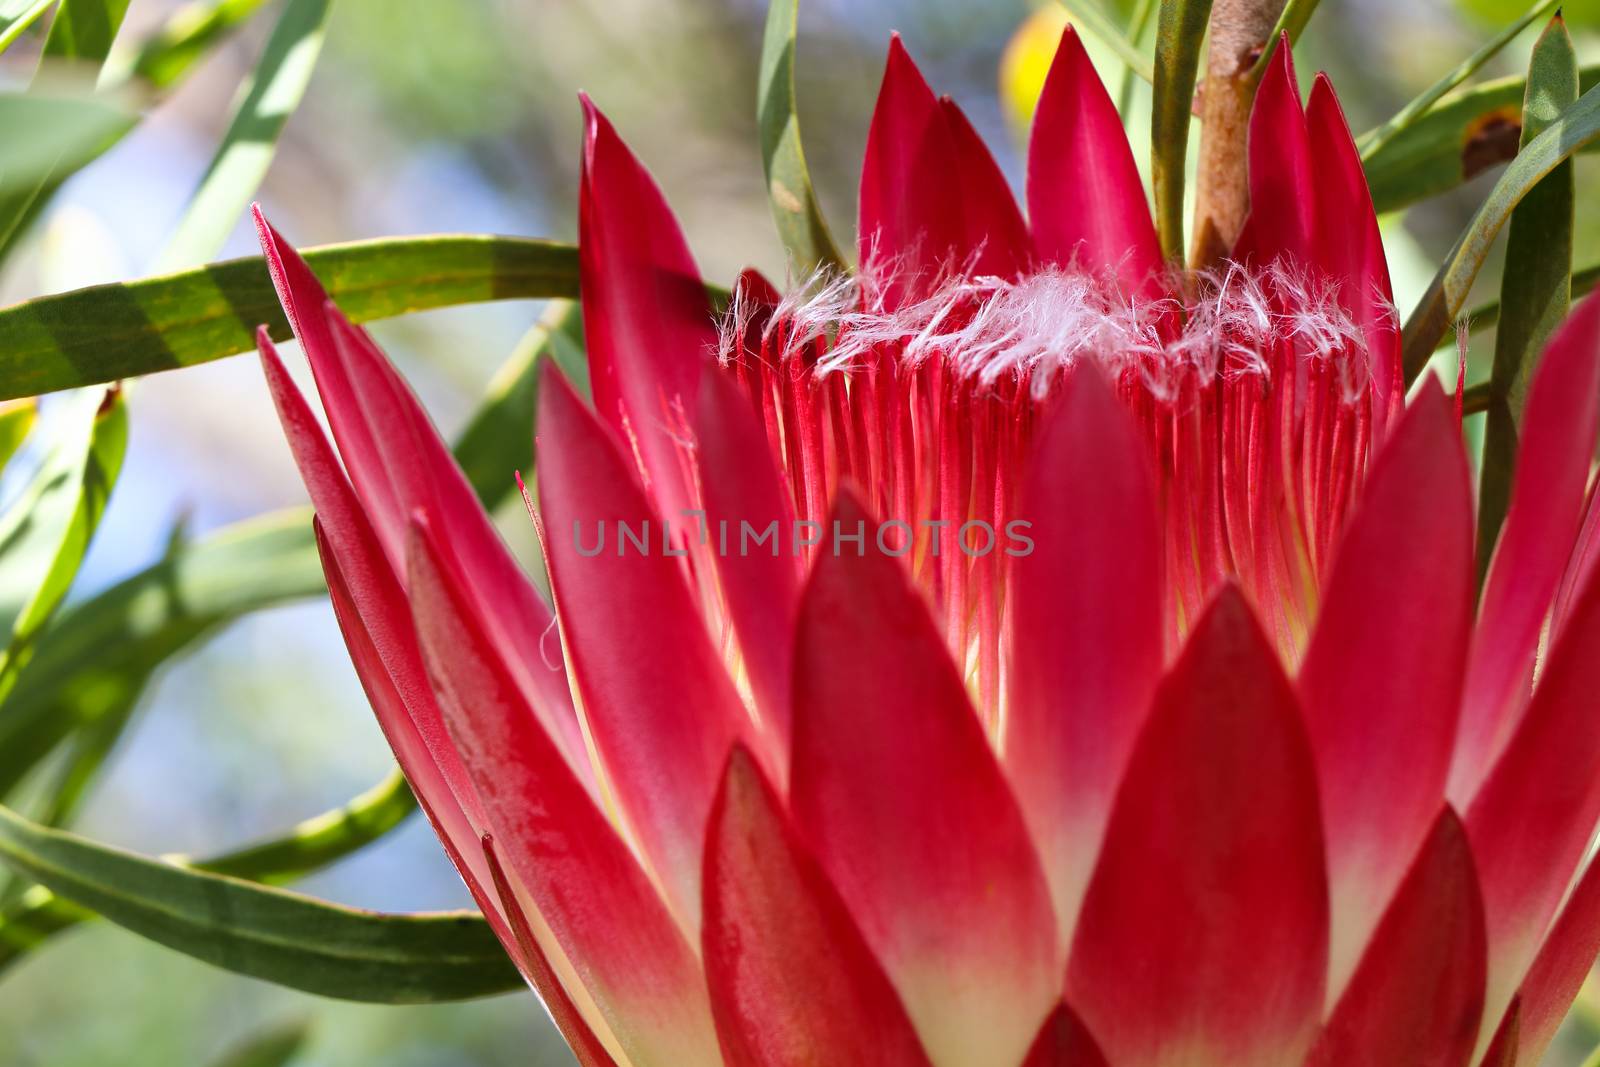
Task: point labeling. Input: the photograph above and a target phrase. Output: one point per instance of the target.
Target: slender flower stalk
(1009, 654)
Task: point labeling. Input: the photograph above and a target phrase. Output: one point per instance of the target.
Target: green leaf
(1374, 140)
(46, 531)
(1577, 126)
(81, 35)
(1536, 286)
(499, 438)
(183, 40)
(83, 30)
(84, 34)
(27, 923)
(277, 1047)
(319, 841)
(1486, 316)
(47, 134)
(127, 329)
(1464, 135)
(1180, 34)
(96, 659)
(87, 752)
(1091, 17)
(1138, 23)
(1577, 13)
(16, 422)
(1294, 17)
(794, 202)
(263, 932)
(267, 98)
(16, 16)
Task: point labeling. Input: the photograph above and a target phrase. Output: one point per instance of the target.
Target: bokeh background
(440, 115)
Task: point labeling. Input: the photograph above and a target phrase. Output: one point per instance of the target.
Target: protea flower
(1018, 653)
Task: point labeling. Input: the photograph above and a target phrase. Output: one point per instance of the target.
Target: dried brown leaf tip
(1491, 139)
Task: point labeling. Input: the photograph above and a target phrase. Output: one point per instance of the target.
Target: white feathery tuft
(1039, 325)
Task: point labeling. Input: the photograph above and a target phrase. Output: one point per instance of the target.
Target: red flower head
(1015, 653)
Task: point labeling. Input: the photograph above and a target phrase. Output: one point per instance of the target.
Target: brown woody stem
(1239, 31)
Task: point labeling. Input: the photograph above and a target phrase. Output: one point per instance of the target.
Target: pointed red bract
(361, 446)
(1063, 1041)
(910, 214)
(1585, 557)
(398, 462)
(761, 584)
(781, 835)
(1086, 635)
(1283, 201)
(439, 802)
(996, 233)
(646, 318)
(1417, 996)
(1533, 819)
(894, 785)
(792, 981)
(1351, 247)
(568, 866)
(1203, 937)
(1507, 1040)
(1542, 521)
(657, 698)
(1086, 201)
(1381, 689)
(932, 199)
(580, 1037)
(1558, 972)
(375, 618)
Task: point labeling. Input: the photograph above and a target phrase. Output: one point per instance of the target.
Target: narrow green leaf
(264, 932)
(96, 659)
(1180, 33)
(499, 438)
(267, 98)
(1460, 138)
(39, 914)
(1487, 316)
(1294, 17)
(1091, 17)
(127, 329)
(16, 16)
(67, 783)
(184, 39)
(83, 30)
(1536, 287)
(794, 202)
(1577, 126)
(87, 752)
(319, 841)
(81, 35)
(1374, 140)
(277, 1047)
(32, 919)
(47, 134)
(1138, 23)
(45, 533)
(16, 422)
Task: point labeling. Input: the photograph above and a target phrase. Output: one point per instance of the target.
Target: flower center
(1251, 391)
